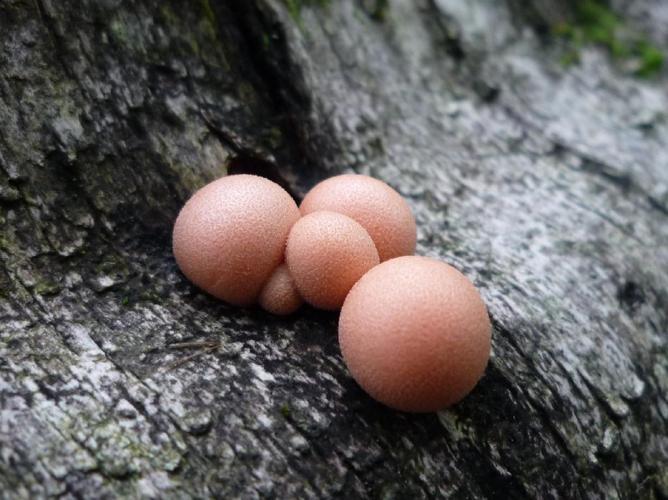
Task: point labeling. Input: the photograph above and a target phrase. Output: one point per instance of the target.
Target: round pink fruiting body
(230, 236)
(415, 334)
(376, 206)
(326, 254)
(280, 295)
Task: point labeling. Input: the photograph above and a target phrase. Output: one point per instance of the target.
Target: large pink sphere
(230, 236)
(326, 254)
(376, 206)
(415, 334)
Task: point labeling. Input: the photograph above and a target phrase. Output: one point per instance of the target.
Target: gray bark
(546, 185)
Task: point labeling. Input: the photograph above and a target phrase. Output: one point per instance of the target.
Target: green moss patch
(595, 23)
(295, 7)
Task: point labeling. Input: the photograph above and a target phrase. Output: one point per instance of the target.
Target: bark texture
(546, 185)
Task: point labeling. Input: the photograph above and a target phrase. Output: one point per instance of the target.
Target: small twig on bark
(206, 347)
(194, 344)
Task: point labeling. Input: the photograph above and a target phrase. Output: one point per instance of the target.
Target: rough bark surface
(547, 186)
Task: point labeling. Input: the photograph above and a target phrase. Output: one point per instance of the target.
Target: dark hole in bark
(631, 295)
(245, 164)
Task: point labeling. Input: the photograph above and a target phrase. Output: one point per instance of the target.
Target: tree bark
(546, 185)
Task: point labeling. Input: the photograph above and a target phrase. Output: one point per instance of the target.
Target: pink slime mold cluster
(414, 332)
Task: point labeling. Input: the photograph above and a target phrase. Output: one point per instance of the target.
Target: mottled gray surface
(548, 186)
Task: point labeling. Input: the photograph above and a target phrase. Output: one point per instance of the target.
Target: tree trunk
(546, 185)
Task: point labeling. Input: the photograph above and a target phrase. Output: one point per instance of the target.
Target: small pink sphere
(230, 236)
(415, 334)
(376, 206)
(327, 253)
(280, 295)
